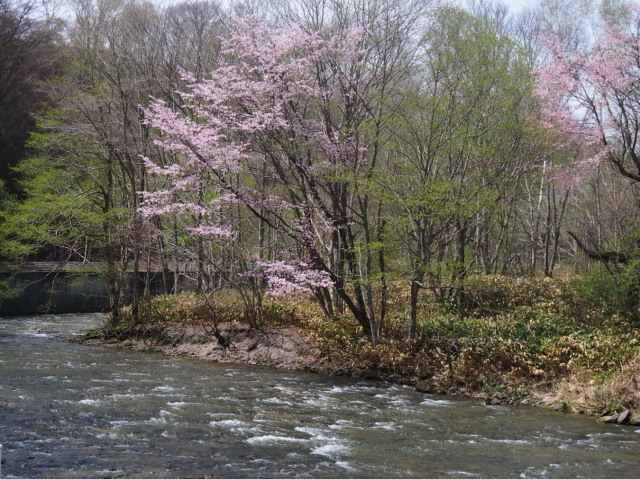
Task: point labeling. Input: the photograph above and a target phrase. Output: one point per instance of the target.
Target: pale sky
(516, 5)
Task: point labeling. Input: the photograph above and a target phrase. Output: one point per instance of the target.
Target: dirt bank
(283, 347)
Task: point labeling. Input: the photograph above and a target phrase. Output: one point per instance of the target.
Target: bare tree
(29, 42)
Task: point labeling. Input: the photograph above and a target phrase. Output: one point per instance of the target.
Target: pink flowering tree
(591, 105)
(274, 129)
(591, 98)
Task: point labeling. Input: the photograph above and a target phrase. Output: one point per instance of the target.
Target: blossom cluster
(591, 98)
(290, 277)
(268, 99)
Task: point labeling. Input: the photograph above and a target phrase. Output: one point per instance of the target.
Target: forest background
(437, 191)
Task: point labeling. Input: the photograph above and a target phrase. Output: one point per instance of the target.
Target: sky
(516, 5)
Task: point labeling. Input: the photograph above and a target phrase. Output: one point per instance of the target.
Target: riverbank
(535, 356)
(275, 347)
(290, 348)
(75, 411)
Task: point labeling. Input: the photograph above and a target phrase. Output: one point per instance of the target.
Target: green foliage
(52, 215)
(223, 306)
(495, 294)
(4, 194)
(58, 208)
(526, 327)
(529, 344)
(7, 288)
(598, 294)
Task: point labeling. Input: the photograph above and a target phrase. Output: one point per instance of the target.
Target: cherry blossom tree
(285, 101)
(592, 98)
(591, 105)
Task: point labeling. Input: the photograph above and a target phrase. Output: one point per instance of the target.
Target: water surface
(70, 410)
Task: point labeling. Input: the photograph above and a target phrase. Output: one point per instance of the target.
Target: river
(69, 410)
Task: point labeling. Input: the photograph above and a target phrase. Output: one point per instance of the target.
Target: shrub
(490, 295)
(595, 296)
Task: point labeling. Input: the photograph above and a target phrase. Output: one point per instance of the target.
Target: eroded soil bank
(284, 347)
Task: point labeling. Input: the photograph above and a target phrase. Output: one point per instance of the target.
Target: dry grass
(584, 393)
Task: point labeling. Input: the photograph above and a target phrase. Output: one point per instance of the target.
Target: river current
(74, 411)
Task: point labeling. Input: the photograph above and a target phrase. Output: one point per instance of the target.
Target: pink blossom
(591, 99)
(211, 231)
(290, 277)
(267, 98)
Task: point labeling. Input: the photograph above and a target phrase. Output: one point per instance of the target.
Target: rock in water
(608, 419)
(624, 417)
(424, 386)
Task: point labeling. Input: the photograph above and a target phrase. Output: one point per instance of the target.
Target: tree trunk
(413, 305)
(461, 239)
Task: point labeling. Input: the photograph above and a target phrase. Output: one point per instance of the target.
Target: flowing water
(69, 410)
